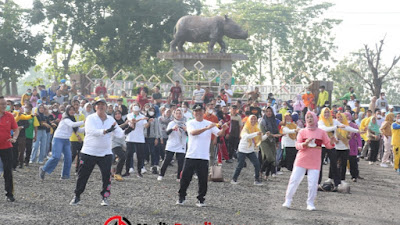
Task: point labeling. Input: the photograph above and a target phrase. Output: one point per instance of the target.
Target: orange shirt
(307, 99)
(212, 118)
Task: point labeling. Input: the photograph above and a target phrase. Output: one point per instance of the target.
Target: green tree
(18, 46)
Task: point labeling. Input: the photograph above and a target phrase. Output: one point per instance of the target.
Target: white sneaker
(195, 176)
(200, 204)
(311, 208)
(286, 205)
(384, 165)
(104, 202)
(180, 202)
(234, 182)
(159, 178)
(371, 163)
(143, 170)
(348, 173)
(273, 175)
(131, 170)
(279, 173)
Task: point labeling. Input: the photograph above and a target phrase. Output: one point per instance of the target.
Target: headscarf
(291, 126)
(164, 119)
(248, 128)
(180, 123)
(269, 123)
(148, 116)
(328, 122)
(120, 121)
(342, 133)
(348, 116)
(389, 118)
(360, 117)
(86, 113)
(315, 118)
(374, 127)
(66, 115)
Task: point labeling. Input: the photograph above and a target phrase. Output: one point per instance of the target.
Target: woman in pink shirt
(309, 143)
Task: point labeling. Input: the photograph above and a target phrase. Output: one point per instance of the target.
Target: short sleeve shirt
(7, 123)
(176, 91)
(199, 145)
(198, 95)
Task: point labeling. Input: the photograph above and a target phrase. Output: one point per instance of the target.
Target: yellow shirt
(364, 124)
(73, 137)
(395, 136)
(322, 98)
(21, 116)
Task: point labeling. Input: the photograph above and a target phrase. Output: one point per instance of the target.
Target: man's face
(76, 106)
(176, 83)
(198, 87)
(382, 96)
(207, 90)
(198, 114)
(210, 106)
(369, 114)
(378, 113)
(101, 107)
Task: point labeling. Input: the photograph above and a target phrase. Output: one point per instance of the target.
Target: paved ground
(374, 200)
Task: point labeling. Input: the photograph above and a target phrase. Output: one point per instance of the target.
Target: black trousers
(342, 157)
(333, 171)
(291, 153)
(168, 158)
(28, 146)
(354, 166)
(85, 169)
(6, 156)
(191, 166)
(162, 148)
(139, 148)
(233, 143)
(76, 147)
(118, 151)
(374, 150)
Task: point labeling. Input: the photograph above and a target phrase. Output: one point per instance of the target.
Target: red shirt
(142, 100)
(7, 123)
(176, 92)
(101, 89)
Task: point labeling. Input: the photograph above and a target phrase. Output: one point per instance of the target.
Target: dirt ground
(374, 200)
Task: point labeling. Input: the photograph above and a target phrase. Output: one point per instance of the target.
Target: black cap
(197, 107)
(100, 100)
(17, 104)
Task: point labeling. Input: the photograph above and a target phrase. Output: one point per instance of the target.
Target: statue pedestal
(221, 62)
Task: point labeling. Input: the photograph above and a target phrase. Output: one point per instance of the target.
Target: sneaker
(200, 204)
(371, 163)
(181, 201)
(234, 181)
(154, 170)
(10, 198)
(311, 208)
(118, 177)
(258, 183)
(273, 175)
(131, 170)
(384, 165)
(30, 162)
(286, 205)
(104, 202)
(279, 173)
(41, 163)
(143, 170)
(159, 178)
(75, 201)
(335, 189)
(42, 173)
(354, 179)
(126, 175)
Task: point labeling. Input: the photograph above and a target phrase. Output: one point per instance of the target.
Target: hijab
(66, 115)
(164, 120)
(315, 118)
(248, 128)
(85, 112)
(120, 121)
(328, 122)
(291, 126)
(374, 127)
(269, 123)
(341, 131)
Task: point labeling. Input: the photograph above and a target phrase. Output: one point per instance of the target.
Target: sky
(364, 22)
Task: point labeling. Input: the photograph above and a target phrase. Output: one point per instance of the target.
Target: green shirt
(29, 131)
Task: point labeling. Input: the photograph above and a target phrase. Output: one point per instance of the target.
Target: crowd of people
(59, 123)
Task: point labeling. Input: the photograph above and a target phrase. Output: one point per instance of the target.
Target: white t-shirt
(220, 102)
(137, 135)
(198, 94)
(176, 140)
(230, 92)
(199, 145)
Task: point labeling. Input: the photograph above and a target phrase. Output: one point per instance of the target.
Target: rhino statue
(199, 29)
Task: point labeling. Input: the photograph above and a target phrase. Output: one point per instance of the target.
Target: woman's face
(326, 114)
(168, 113)
(41, 109)
(268, 112)
(88, 108)
(310, 119)
(339, 118)
(253, 120)
(288, 118)
(117, 115)
(178, 114)
(71, 111)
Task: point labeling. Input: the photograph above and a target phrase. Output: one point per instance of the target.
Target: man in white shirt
(99, 130)
(352, 101)
(198, 94)
(229, 94)
(198, 155)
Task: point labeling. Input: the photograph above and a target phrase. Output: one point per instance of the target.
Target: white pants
(388, 149)
(295, 180)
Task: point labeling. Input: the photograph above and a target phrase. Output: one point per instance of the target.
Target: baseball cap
(197, 107)
(100, 100)
(62, 80)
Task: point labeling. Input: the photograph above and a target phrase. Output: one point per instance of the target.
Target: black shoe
(10, 198)
(75, 200)
(126, 174)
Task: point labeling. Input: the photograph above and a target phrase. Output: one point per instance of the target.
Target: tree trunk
(7, 83)
(270, 61)
(14, 88)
